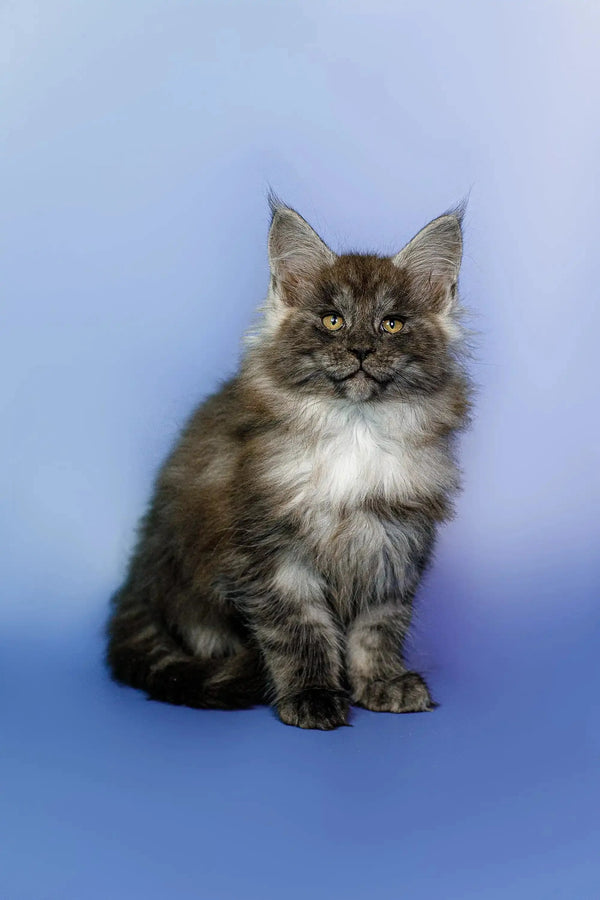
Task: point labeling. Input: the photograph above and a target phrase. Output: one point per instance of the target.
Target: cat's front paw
(403, 694)
(315, 708)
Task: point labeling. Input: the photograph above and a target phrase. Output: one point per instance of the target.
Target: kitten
(291, 524)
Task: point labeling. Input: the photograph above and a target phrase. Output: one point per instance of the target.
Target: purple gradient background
(139, 140)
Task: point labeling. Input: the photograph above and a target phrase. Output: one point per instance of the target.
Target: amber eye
(332, 322)
(392, 326)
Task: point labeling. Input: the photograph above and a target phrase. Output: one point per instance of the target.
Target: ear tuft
(296, 252)
(275, 202)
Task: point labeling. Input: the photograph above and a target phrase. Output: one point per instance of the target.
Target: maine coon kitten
(292, 522)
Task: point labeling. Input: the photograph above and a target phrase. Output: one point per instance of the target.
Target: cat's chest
(345, 463)
(345, 467)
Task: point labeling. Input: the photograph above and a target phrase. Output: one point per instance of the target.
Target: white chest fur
(338, 455)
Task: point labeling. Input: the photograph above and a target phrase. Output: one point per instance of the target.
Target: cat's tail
(143, 654)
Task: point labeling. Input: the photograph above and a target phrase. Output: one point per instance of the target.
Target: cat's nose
(360, 352)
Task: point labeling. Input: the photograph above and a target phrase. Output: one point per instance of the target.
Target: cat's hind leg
(145, 653)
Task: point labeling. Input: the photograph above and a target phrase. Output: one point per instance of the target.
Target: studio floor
(493, 795)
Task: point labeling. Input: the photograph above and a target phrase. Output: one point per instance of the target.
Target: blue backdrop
(139, 141)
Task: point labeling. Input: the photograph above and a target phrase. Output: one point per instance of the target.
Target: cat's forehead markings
(366, 277)
(365, 300)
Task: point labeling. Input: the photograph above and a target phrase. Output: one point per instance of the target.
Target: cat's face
(358, 326)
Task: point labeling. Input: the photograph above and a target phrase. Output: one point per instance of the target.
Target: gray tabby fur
(291, 524)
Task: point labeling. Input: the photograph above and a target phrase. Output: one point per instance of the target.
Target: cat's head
(361, 326)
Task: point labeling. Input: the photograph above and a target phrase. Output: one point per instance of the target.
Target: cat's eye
(392, 325)
(332, 322)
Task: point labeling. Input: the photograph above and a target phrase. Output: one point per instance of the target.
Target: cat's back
(208, 448)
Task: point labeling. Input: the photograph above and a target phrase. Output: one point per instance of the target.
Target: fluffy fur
(291, 524)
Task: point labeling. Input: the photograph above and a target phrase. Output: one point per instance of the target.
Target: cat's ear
(296, 252)
(432, 260)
